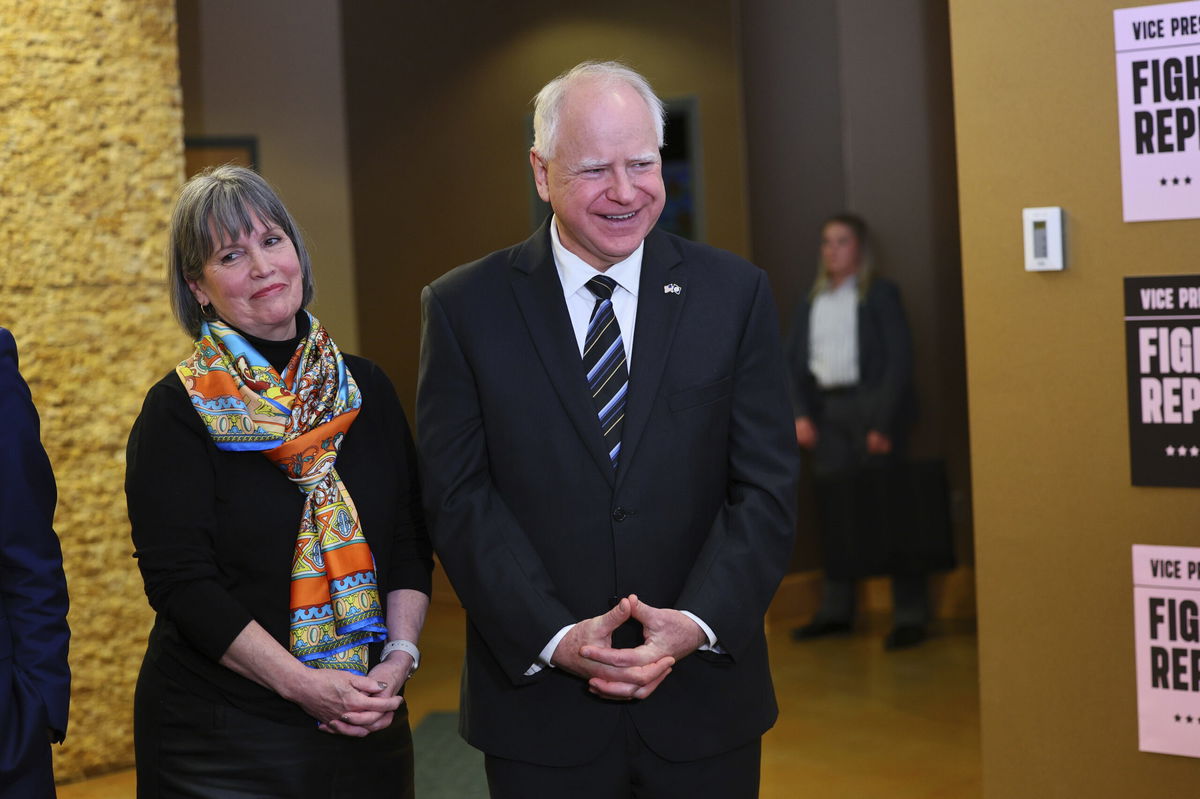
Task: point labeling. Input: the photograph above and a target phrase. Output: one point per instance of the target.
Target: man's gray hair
(547, 105)
(213, 208)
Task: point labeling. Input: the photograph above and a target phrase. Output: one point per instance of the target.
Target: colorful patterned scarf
(298, 420)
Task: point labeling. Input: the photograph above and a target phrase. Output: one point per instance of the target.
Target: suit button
(619, 515)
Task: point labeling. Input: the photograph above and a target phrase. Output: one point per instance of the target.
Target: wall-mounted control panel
(1044, 251)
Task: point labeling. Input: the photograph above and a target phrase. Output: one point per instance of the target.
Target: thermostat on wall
(1043, 239)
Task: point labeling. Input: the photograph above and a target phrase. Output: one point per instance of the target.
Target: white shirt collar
(573, 272)
(847, 286)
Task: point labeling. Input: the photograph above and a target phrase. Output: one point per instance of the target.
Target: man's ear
(540, 175)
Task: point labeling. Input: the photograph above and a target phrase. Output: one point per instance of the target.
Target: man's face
(605, 179)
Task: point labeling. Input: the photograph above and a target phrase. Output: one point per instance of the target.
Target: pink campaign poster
(1166, 624)
(1158, 106)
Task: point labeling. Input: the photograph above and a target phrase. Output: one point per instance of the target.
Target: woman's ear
(197, 292)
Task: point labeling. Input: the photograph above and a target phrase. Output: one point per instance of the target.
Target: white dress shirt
(574, 274)
(833, 336)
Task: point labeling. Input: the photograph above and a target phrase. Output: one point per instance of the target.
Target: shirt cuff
(711, 646)
(547, 652)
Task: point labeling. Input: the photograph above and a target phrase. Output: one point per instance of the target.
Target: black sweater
(214, 531)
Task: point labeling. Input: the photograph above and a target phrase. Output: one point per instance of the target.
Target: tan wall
(1055, 514)
(272, 69)
(91, 159)
(437, 102)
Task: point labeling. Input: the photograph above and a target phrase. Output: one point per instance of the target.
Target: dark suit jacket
(536, 531)
(884, 361)
(34, 675)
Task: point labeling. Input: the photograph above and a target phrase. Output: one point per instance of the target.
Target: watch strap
(402, 645)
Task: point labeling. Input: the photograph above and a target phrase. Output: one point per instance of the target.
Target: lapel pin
(671, 288)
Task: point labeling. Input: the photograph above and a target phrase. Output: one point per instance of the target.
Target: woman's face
(840, 251)
(255, 282)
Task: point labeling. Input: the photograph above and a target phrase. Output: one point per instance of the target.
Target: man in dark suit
(609, 468)
(33, 596)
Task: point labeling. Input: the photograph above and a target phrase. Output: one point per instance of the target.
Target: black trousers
(188, 746)
(842, 449)
(628, 769)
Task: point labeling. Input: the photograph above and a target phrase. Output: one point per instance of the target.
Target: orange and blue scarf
(298, 420)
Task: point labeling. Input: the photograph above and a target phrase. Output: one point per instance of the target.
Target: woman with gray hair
(290, 589)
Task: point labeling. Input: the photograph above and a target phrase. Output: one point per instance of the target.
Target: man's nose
(622, 189)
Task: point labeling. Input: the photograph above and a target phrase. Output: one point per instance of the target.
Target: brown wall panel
(849, 106)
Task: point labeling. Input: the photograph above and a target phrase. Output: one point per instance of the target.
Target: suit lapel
(657, 313)
(539, 295)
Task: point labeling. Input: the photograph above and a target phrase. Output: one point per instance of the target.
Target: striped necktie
(604, 362)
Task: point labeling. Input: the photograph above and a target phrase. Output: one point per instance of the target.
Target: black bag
(886, 519)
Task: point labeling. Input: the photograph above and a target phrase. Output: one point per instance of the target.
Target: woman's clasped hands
(352, 704)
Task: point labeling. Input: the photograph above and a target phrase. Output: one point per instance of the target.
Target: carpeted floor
(446, 766)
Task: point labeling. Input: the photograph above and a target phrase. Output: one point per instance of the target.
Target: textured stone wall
(90, 158)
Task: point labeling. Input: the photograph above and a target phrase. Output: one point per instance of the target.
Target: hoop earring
(208, 311)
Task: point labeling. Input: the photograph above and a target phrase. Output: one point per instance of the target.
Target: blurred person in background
(850, 359)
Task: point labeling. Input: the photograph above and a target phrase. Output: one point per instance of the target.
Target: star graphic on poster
(1194, 451)
(1175, 181)
(1177, 717)
(1162, 182)
(1170, 451)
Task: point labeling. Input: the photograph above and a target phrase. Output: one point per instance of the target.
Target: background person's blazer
(885, 361)
(34, 676)
(536, 531)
